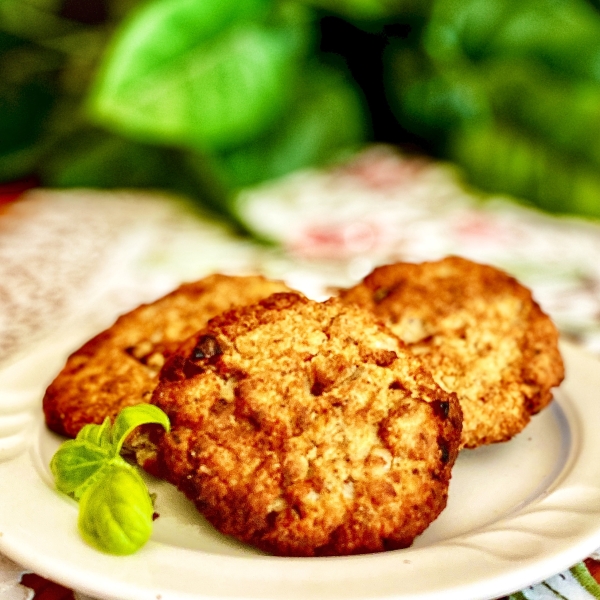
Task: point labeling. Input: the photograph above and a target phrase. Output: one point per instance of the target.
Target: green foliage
(504, 160)
(369, 10)
(198, 96)
(204, 97)
(434, 102)
(23, 113)
(509, 90)
(115, 509)
(562, 34)
(328, 114)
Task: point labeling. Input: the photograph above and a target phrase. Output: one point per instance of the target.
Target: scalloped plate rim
(49, 544)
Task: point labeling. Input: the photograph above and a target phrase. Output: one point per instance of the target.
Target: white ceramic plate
(518, 513)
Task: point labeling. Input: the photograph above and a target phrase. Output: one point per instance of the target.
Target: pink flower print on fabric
(337, 241)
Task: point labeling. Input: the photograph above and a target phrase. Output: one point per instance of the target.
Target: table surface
(62, 252)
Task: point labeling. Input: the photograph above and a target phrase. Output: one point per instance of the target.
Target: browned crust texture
(119, 367)
(479, 332)
(307, 429)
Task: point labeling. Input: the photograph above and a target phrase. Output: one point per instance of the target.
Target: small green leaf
(74, 463)
(134, 416)
(115, 508)
(115, 513)
(98, 435)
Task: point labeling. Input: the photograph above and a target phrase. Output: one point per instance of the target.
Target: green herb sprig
(115, 508)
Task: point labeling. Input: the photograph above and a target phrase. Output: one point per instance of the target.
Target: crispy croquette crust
(119, 367)
(478, 331)
(306, 429)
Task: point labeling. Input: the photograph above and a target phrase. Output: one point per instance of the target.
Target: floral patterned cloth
(381, 208)
(75, 260)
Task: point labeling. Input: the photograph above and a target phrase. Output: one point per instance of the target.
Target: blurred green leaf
(563, 34)
(563, 113)
(97, 159)
(430, 102)
(327, 117)
(502, 160)
(460, 29)
(23, 114)
(8, 41)
(372, 9)
(33, 19)
(204, 73)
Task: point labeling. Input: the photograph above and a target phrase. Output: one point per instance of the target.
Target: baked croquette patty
(119, 367)
(307, 429)
(478, 331)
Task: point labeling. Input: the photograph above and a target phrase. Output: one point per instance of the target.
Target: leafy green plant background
(205, 97)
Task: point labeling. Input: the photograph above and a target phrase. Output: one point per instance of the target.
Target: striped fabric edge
(575, 584)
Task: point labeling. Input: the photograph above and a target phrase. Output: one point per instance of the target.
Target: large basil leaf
(203, 73)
